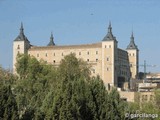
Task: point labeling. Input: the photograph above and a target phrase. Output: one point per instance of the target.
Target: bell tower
(20, 46)
(109, 59)
(133, 55)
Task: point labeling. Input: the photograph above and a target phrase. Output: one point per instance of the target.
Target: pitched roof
(94, 45)
(132, 44)
(51, 42)
(21, 36)
(109, 35)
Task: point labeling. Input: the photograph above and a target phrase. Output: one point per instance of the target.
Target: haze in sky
(81, 22)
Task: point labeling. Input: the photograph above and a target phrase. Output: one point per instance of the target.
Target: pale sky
(81, 22)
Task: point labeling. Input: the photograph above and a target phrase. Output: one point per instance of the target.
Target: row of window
(123, 72)
(94, 71)
(108, 46)
(146, 97)
(63, 54)
(131, 54)
(54, 61)
(87, 59)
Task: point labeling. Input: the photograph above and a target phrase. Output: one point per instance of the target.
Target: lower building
(115, 66)
(134, 96)
(153, 77)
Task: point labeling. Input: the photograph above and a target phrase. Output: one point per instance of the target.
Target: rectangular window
(62, 54)
(109, 46)
(37, 55)
(96, 52)
(93, 70)
(88, 53)
(54, 61)
(143, 97)
(151, 97)
(79, 53)
(146, 97)
(105, 46)
(107, 58)
(54, 54)
(96, 60)
(18, 47)
(88, 60)
(46, 54)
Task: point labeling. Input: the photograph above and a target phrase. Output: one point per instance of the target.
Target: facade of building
(134, 96)
(114, 65)
(153, 77)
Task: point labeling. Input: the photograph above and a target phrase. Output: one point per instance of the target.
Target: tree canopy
(67, 92)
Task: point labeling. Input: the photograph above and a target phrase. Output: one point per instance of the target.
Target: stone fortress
(115, 66)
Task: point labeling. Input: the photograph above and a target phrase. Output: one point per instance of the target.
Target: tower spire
(132, 36)
(21, 29)
(110, 28)
(132, 44)
(51, 38)
(109, 35)
(51, 43)
(21, 36)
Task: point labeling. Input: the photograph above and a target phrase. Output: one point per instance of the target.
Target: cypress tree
(8, 105)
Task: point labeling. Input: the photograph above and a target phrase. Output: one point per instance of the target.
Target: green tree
(116, 106)
(8, 105)
(72, 68)
(98, 98)
(80, 97)
(69, 97)
(6, 77)
(157, 98)
(35, 81)
(65, 92)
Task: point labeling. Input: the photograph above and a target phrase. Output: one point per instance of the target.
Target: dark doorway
(121, 81)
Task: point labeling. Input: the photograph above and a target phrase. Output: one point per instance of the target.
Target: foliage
(146, 107)
(42, 91)
(35, 80)
(8, 105)
(157, 99)
(71, 68)
(6, 77)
